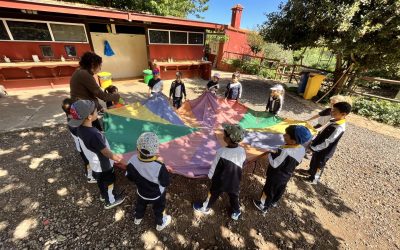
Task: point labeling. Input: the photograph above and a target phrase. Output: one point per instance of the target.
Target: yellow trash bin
(105, 79)
(313, 85)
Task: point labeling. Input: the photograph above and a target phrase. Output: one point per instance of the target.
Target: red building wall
(177, 52)
(237, 41)
(17, 78)
(23, 51)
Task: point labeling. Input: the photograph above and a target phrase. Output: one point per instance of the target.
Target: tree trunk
(352, 80)
(339, 69)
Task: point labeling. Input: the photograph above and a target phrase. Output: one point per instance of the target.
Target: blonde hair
(341, 98)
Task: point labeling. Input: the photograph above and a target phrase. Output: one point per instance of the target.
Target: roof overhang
(87, 10)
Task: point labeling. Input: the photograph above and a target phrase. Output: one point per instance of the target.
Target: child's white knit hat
(148, 144)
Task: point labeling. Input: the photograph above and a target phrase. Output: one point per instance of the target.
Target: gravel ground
(46, 203)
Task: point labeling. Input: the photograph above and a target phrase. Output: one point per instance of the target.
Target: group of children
(151, 176)
(177, 90)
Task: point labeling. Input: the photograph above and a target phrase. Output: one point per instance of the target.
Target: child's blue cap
(302, 134)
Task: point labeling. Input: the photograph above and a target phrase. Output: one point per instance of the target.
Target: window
(175, 37)
(29, 31)
(126, 29)
(159, 36)
(178, 37)
(3, 32)
(68, 33)
(98, 27)
(196, 38)
(47, 51)
(70, 50)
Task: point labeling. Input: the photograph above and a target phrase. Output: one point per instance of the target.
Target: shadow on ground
(46, 202)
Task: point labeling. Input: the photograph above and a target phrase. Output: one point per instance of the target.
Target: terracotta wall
(19, 51)
(237, 42)
(177, 52)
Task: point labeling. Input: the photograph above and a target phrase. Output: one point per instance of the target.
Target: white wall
(130, 57)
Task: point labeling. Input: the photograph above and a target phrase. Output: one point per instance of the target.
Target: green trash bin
(147, 75)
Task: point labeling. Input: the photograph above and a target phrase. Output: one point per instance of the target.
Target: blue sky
(219, 11)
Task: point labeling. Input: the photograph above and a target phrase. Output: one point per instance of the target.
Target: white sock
(111, 197)
(89, 172)
(205, 203)
(263, 198)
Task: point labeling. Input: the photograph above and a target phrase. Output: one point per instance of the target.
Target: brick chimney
(236, 16)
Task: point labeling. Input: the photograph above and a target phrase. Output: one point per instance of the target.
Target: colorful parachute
(191, 135)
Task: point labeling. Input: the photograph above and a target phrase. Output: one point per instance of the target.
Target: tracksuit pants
(273, 190)
(158, 208)
(214, 195)
(177, 102)
(105, 182)
(317, 165)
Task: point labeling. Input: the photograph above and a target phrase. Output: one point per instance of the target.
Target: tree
(364, 34)
(276, 51)
(177, 8)
(255, 41)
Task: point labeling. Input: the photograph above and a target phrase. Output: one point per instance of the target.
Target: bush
(251, 67)
(236, 63)
(267, 73)
(379, 110)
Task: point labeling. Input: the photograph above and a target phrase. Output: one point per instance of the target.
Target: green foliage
(276, 51)
(267, 73)
(317, 58)
(255, 41)
(379, 110)
(216, 38)
(364, 32)
(252, 67)
(177, 8)
(236, 63)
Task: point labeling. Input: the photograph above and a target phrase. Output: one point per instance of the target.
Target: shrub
(236, 63)
(251, 67)
(379, 110)
(267, 73)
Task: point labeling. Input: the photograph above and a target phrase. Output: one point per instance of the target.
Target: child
(213, 85)
(226, 172)
(97, 150)
(325, 115)
(324, 144)
(151, 178)
(234, 88)
(155, 84)
(281, 166)
(177, 90)
(275, 100)
(66, 105)
(111, 104)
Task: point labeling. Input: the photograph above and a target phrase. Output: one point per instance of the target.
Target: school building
(41, 42)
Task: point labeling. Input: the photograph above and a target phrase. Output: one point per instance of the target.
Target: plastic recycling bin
(147, 75)
(303, 82)
(313, 85)
(105, 79)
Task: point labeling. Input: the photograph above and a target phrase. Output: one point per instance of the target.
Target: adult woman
(83, 86)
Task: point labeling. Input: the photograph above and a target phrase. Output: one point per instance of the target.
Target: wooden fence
(293, 72)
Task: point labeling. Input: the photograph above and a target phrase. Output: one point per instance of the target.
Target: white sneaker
(91, 180)
(102, 199)
(114, 204)
(137, 221)
(166, 221)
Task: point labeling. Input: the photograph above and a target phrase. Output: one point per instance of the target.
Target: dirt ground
(46, 203)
